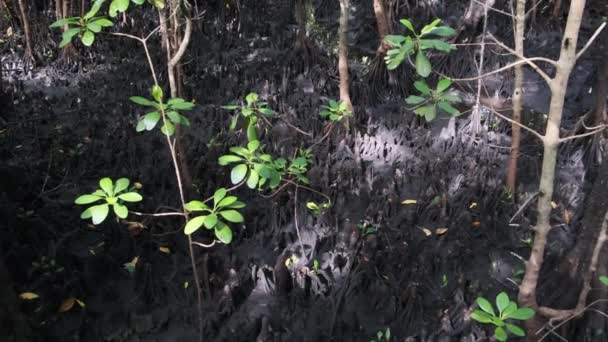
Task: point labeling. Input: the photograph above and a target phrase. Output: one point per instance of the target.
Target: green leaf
(509, 310)
(194, 224)
(62, 22)
(408, 24)
(423, 66)
(219, 195)
(141, 125)
(121, 185)
(251, 98)
(414, 100)
(252, 180)
(237, 205)
(86, 214)
(223, 233)
(333, 105)
(238, 173)
(443, 84)
(142, 101)
(103, 22)
(515, 330)
(252, 133)
(184, 121)
(227, 159)
(67, 36)
(604, 280)
(522, 314)
(253, 145)
(485, 305)
(232, 216)
(180, 104)
(130, 197)
(107, 186)
(118, 6)
(94, 9)
(502, 301)
(93, 26)
(481, 317)
(88, 37)
(266, 111)
(429, 112)
(394, 40)
(429, 27)
(174, 117)
(150, 120)
(231, 107)
(247, 111)
(227, 201)
(157, 93)
(435, 44)
(453, 98)
(160, 4)
(196, 206)
(448, 108)
(210, 221)
(121, 210)
(443, 31)
(422, 87)
(500, 334)
(99, 212)
(138, 2)
(87, 199)
(168, 128)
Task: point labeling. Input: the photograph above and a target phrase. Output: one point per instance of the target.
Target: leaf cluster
(224, 209)
(335, 111)
(430, 99)
(250, 113)
(506, 310)
(417, 43)
(112, 195)
(172, 108)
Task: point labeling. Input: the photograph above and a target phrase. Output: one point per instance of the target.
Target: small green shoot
(224, 208)
(507, 310)
(383, 336)
(429, 99)
(149, 121)
(335, 111)
(112, 194)
(85, 27)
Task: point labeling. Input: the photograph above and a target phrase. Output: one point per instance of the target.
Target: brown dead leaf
(427, 232)
(567, 216)
(164, 250)
(441, 231)
(28, 296)
(67, 305)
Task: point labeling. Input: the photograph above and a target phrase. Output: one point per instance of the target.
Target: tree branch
(595, 34)
(528, 60)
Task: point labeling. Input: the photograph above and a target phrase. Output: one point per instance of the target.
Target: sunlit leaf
(130, 197)
(407, 24)
(481, 317)
(485, 305)
(238, 173)
(522, 314)
(223, 233)
(194, 224)
(87, 199)
(120, 210)
(232, 216)
(515, 330)
(502, 300)
(88, 37)
(165, 250)
(99, 212)
(28, 296)
(121, 185)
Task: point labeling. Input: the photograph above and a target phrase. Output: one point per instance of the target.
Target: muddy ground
(63, 128)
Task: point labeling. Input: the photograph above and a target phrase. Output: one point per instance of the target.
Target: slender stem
(603, 127)
(507, 67)
(295, 220)
(157, 214)
(595, 34)
(538, 135)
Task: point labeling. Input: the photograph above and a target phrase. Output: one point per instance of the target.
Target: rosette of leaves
(417, 43)
(250, 113)
(253, 166)
(224, 209)
(298, 167)
(172, 109)
(113, 195)
(85, 27)
(335, 111)
(507, 311)
(429, 100)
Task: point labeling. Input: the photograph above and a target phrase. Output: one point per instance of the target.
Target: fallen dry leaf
(67, 305)
(427, 232)
(28, 295)
(441, 231)
(164, 249)
(409, 201)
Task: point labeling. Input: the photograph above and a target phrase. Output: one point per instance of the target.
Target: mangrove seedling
(112, 194)
(507, 310)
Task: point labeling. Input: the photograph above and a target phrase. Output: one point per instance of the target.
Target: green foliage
(604, 280)
(259, 169)
(417, 43)
(383, 336)
(113, 195)
(172, 109)
(224, 209)
(318, 209)
(250, 112)
(121, 6)
(429, 100)
(367, 228)
(507, 310)
(85, 27)
(335, 111)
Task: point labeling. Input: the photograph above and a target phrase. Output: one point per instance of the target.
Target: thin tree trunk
(517, 101)
(343, 53)
(300, 13)
(26, 31)
(383, 26)
(551, 140)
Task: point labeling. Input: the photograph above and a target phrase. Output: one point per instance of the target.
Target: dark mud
(418, 274)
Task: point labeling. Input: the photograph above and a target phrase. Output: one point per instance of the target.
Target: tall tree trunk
(517, 101)
(343, 53)
(383, 26)
(551, 140)
(26, 32)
